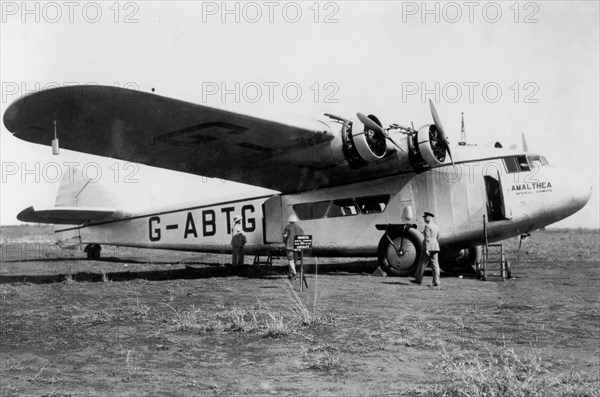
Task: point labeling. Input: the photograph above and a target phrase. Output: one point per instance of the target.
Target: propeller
(371, 125)
(444, 143)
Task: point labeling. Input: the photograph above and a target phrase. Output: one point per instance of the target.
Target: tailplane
(79, 200)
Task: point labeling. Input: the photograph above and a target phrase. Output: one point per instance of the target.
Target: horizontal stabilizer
(65, 215)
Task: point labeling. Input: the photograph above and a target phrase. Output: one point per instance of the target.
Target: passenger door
(272, 221)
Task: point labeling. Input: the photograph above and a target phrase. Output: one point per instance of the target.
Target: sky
(512, 68)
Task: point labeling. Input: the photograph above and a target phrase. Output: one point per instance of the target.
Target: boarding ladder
(493, 262)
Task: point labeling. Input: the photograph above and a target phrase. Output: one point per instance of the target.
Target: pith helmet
(292, 218)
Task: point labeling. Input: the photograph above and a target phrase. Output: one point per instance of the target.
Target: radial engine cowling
(362, 145)
(428, 148)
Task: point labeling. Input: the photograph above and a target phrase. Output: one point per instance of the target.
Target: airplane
(356, 186)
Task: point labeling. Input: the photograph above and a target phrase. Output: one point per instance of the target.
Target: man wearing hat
(238, 240)
(432, 246)
(292, 230)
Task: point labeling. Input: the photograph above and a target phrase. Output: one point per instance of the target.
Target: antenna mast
(463, 134)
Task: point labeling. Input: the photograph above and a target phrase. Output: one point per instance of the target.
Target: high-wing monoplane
(357, 186)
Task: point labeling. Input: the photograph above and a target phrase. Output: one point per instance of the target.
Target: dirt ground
(160, 323)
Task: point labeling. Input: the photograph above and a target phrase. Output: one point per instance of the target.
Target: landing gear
(93, 251)
(507, 270)
(461, 262)
(480, 270)
(400, 251)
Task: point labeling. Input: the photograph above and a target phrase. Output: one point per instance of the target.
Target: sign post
(301, 243)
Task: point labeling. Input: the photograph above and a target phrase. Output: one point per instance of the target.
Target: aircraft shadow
(206, 270)
(151, 275)
(104, 259)
(342, 269)
(70, 259)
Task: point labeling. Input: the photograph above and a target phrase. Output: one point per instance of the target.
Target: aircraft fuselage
(515, 193)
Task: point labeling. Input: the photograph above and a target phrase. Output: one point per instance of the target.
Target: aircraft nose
(581, 191)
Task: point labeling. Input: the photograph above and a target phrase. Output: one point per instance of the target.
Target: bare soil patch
(142, 322)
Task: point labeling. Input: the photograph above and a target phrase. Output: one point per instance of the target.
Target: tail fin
(78, 200)
(78, 191)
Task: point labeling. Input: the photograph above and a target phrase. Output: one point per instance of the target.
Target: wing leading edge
(278, 153)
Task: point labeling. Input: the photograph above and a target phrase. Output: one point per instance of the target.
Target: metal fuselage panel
(458, 197)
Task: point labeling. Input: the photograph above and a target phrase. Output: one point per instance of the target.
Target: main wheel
(401, 258)
(461, 262)
(93, 251)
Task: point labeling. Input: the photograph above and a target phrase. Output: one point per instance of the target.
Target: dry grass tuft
(322, 361)
(257, 319)
(140, 309)
(276, 326)
(131, 364)
(13, 365)
(505, 374)
(69, 279)
(303, 315)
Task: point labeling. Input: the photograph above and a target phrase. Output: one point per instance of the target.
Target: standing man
(432, 246)
(238, 240)
(292, 230)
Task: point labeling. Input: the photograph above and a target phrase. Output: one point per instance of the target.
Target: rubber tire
(93, 251)
(467, 265)
(411, 236)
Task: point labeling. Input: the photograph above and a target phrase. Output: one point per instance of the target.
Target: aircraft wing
(65, 215)
(283, 154)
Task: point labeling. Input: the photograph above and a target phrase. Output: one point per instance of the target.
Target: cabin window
(307, 211)
(516, 164)
(372, 204)
(345, 207)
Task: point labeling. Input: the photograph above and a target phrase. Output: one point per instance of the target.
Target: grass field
(162, 323)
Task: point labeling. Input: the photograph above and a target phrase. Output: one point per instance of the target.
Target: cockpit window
(516, 164)
(537, 160)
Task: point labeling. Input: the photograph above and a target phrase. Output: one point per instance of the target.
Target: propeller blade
(438, 124)
(389, 138)
(370, 124)
(524, 142)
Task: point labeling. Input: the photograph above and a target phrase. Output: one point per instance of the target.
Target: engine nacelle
(358, 146)
(350, 143)
(427, 148)
(361, 145)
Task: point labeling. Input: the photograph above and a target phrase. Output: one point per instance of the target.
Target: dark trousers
(237, 256)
